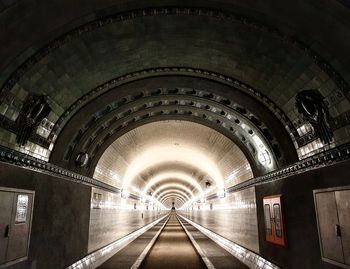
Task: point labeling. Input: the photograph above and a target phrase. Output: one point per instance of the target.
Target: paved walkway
(173, 250)
(127, 256)
(219, 257)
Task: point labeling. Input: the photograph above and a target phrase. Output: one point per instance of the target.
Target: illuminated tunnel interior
(172, 157)
(174, 134)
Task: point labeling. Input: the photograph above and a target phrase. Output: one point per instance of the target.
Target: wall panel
(115, 217)
(303, 249)
(59, 233)
(233, 217)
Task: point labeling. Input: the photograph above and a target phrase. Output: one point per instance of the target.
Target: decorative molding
(202, 117)
(163, 71)
(109, 121)
(341, 120)
(311, 106)
(28, 162)
(172, 11)
(306, 139)
(184, 71)
(12, 126)
(323, 159)
(329, 157)
(34, 109)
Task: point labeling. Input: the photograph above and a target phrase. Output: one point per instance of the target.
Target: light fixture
(264, 157)
(125, 194)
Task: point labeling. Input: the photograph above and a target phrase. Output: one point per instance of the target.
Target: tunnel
(174, 134)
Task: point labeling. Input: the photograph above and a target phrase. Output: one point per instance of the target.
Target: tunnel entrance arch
(164, 158)
(232, 112)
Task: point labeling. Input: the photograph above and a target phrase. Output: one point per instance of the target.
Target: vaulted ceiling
(173, 156)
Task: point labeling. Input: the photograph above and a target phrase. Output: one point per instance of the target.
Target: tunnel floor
(173, 249)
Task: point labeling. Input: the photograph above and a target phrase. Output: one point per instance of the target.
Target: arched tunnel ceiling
(173, 157)
(85, 59)
(242, 51)
(230, 110)
(308, 21)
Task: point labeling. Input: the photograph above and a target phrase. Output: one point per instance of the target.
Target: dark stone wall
(60, 223)
(303, 249)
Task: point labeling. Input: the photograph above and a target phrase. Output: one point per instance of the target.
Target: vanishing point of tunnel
(167, 134)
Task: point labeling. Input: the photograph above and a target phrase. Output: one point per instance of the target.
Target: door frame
(332, 189)
(19, 191)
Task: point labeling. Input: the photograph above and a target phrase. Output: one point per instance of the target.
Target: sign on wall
(16, 209)
(22, 208)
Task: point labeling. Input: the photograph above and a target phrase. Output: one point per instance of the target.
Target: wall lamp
(125, 194)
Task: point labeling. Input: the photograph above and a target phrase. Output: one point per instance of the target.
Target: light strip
(98, 257)
(249, 258)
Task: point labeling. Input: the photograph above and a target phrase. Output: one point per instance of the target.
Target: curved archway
(169, 187)
(228, 76)
(175, 151)
(204, 105)
(180, 192)
(173, 195)
(171, 175)
(170, 200)
(160, 154)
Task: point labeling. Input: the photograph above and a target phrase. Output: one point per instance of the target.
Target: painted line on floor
(246, 256)
(98, 257)
(197, 247)
(144, 253)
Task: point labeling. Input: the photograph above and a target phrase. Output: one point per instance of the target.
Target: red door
(274, 220)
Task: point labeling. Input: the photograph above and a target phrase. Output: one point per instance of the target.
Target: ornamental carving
(35, 108)
(311, 105)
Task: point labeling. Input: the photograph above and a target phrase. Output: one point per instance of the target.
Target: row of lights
(202, 199)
